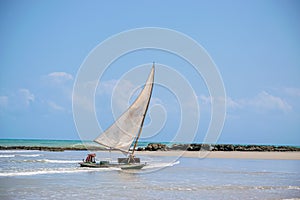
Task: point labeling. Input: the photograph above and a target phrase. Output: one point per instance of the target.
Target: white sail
(122, 133)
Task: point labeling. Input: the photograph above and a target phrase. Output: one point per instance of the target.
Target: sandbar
(226, 154)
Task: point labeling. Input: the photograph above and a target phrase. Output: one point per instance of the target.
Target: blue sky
(255, 45)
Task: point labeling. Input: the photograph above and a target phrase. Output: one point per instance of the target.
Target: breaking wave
(58, 161)
(55, 171)
(7, 156)
(19, 155)
(29, 155)
(160, 165)
(17, 151)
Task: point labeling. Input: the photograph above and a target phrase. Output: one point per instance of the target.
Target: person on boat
(91, 158)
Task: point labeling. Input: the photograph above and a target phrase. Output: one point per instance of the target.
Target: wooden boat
(132, 166)
(123, 164)
(124, 131)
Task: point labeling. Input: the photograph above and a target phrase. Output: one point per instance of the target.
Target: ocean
(55, 143)
(28, 174)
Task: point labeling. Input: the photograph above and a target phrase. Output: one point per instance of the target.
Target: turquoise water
(57, 175)
(52, 143)
(46, 143)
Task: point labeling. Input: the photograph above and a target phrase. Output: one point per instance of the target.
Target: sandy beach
(227, 154)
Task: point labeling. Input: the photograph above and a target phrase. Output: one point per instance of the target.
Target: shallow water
(56, 175)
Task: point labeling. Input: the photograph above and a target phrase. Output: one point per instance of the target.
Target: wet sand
(226, 154)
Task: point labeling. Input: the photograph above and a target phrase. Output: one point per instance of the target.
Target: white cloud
(262, 102)
(25, 96)
(106, 87)
(122, 87)
(266, 101)
(59, 77)
(230, 103)
(204, 99)
(57, 86)
(17, 100)
(54, 106)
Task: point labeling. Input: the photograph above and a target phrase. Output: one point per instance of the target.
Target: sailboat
(125, 131)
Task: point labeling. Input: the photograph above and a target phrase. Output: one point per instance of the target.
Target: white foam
(290, 187)
(21, 155)
(7, 156)
(29, 155)
(58, 161)
(55, 171)
(17, 151)
(160, 165)
(292, 199)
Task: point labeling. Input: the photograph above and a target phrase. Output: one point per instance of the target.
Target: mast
(144, 115)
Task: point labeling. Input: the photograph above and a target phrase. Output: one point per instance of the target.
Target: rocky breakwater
(217, 147)
(163, 147)
(190, 147)
(180, 147)
(265, 148)
(154, 147)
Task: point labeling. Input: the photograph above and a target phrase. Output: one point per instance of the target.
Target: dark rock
(198, 147)
(194, 147)
(181, 147)
(229, 148)
(140, 149)
(156, 147)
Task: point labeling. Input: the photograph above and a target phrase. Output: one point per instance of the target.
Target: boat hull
(107, 165)
(97, 165)
(132, 166)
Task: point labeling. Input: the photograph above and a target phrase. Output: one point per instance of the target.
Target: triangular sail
(122, 133)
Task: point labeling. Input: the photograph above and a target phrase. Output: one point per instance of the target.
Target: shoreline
(265, 155)
(226, 154)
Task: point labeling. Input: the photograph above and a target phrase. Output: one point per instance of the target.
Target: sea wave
(55, 171)
(292, 187)
(19, 155)
(29, 155)
(17, 151)
(7, 156)
(48, 161)
(160, 165)
(226, 188)
(58, 161)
